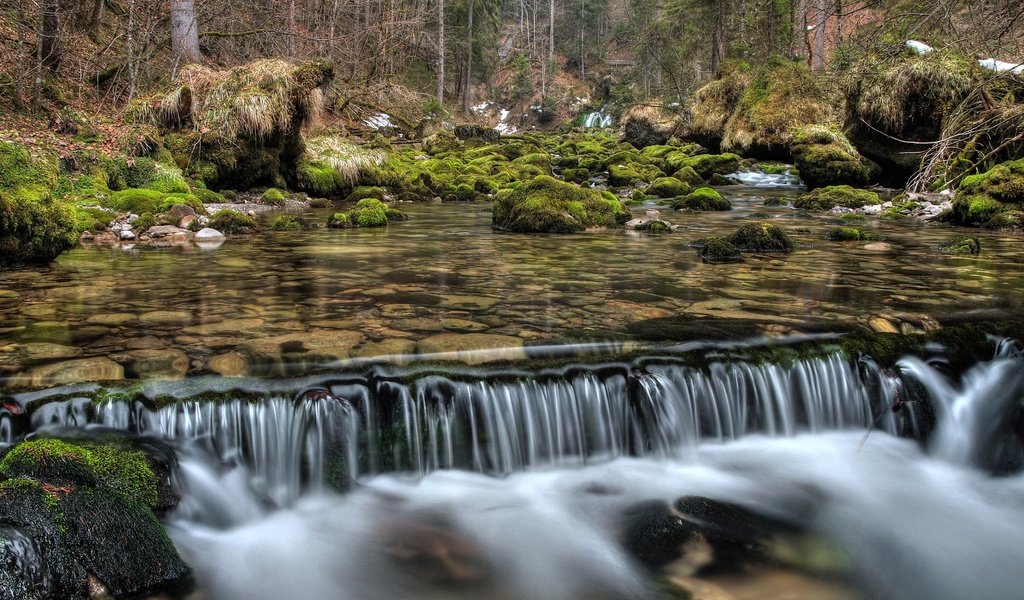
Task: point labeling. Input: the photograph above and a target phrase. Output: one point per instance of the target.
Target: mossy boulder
(141, 200)
(87, 505)
(716, 250)
(290, 223)
(648, 125)
(629, 173)
(368, 212)
(144, 172)
(849, 234)
(706, 165)
(687, 175)
(702, 199)
(824, 157)
(830, 197)
(34, 226)
(546, 205)
(668, 187)
(234, 222)
(273, 196)
(982, 198)
(963, 245)
(760, 237)
(367, 191)
(781, 96)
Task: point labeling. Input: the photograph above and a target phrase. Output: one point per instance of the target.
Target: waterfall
(598, 119)
(504, 422)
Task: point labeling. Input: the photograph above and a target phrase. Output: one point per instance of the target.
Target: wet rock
(209, 235)
(180, 211)
(22, 571)
(654, 534)
(88, 509)
(148, 342)
(169, 233)
(159, 364)
(389, 347)
(73, 371)
(468, 131)
(297, 352)
(736, 534)
(225, 326)
(229, 364)
(433, 552)
(45, 352)
(470, 303)
(165, 317)
(127, 235)
(463, 326)
(112, 319)
(882, 325)
(474, 348)
(878, 247)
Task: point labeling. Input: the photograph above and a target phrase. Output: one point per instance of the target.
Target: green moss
(364, 191)
(849, 234)
(368, 212)
(144, 172)
(716, 250)
(668, 187)
(290, 223)
(233, 222)
(145, 221)
(825, 157)
(273, 196)
(982, 198)
(321, 178)
(706, 165)
(961, 245)
(840, 195)
(83, 463)
(92, 219)
(551, 206)
(760, 237)
(702, 199)
(34, 226)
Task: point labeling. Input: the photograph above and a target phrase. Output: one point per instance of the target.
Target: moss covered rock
(34, 226)
(849, 234)
(273, 196)
(717, 250)
(982, 198)
(550, 206)
(824, 157)
(830, 197)
(760, 237)
(143, 200)
(290, 223)
(87, 506)
(368, 212)
(963, 245)
(668, 187)
(706, 165)
(702, 199)
(234, 222)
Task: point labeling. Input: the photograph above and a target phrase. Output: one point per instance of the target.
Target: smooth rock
(161, 231)
(46, 352)
(229, 364)
(297, 352)
(169, 363)
(127, 234)
(165, 317)
(878, 247)
(209, 235)
(112, 319)
(474, 348)
(471, 303)
(73, 371)
(389, 347)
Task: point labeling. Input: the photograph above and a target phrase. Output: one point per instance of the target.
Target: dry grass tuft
(346, 159)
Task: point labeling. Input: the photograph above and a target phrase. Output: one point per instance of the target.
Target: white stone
(209, 235)
(127, 235)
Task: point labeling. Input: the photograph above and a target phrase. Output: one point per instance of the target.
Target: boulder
(546, 205)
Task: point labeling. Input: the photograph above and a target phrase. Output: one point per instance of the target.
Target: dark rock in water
(22, 572)
(716, 250)
(737, 535)
(469, 131)
(642, 131)
(87, 506)
(961, 245)
(761, 237)
(654, 534)
(434, 552)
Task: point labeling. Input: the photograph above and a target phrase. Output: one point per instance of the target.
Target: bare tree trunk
(49, 37)
(583, 29)
(440, 52)
(97, 12)
(19, 83)
(184, 32)
(291, 28)
(818, 56)
(551, 33)
(718, 37)
(467, 92)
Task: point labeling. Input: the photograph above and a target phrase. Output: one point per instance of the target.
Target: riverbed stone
(209, 235)
(45, 352)
(299, 351)
(474, 348)
(165, 317)
(225, 326)
(467, 302)
(169, 363)
(463, 326)
(112, 319)
(72, 371)
(228, 364)
(386, 347)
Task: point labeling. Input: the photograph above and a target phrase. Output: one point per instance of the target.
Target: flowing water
(326, 454)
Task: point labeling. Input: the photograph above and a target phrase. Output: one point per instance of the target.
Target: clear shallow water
(176, 311)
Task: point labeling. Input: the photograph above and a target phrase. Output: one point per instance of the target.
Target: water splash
(766, 180)
(598, 119)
